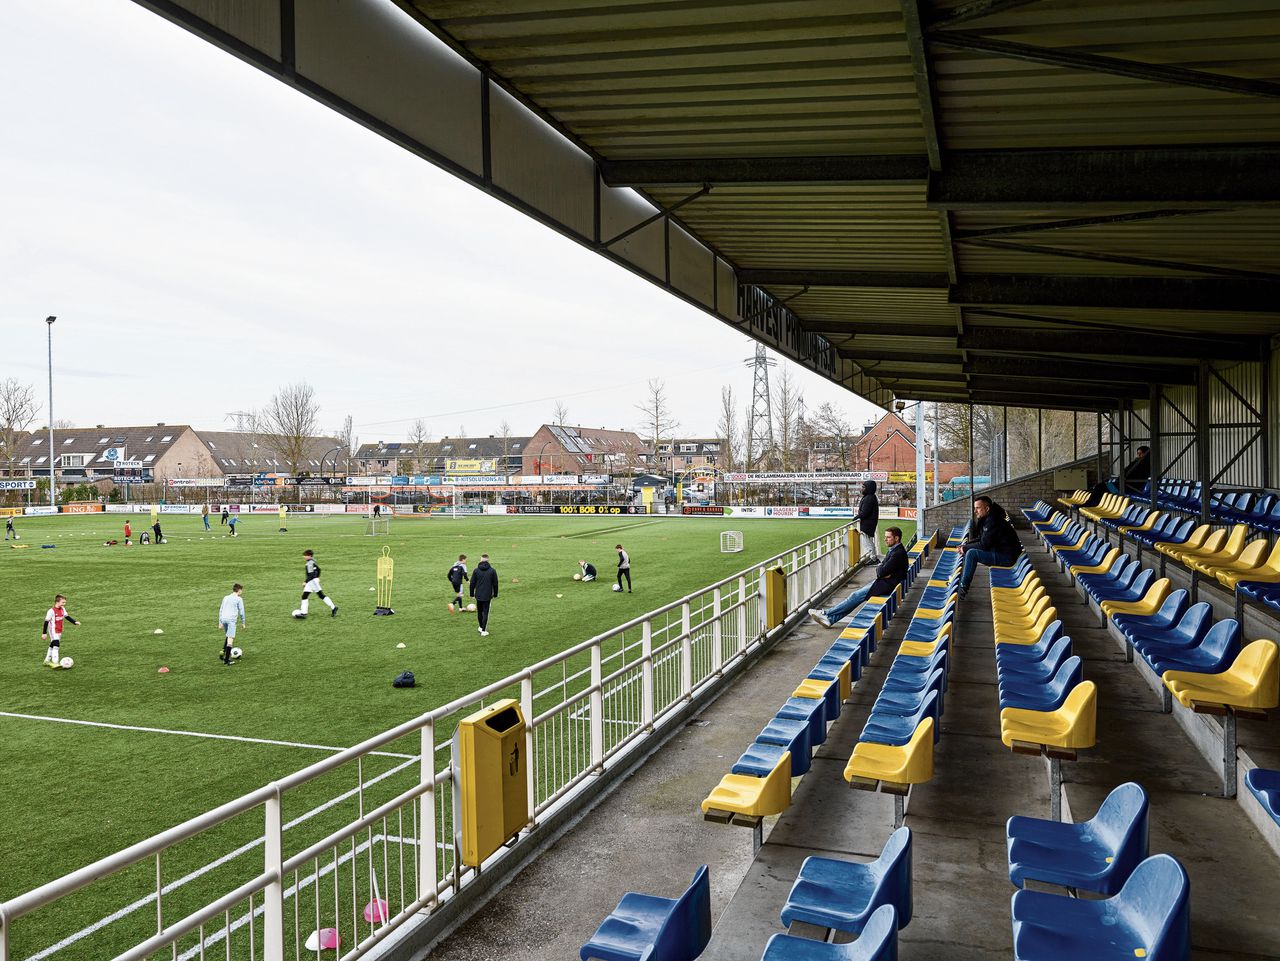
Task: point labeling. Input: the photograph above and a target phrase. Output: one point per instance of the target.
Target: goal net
(730, 542)
(379, 525)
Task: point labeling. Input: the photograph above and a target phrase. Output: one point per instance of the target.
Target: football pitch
(113, 751)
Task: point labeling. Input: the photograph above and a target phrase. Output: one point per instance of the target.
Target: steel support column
(1157, 394)
(1204, 464)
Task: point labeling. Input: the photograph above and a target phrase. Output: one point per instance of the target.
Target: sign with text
(465, 466)
(17, 485)
(822, 478)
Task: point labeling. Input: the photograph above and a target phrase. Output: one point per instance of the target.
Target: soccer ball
(236, 653)
(617, 588)
(298, 614)
(577, 577)
(471, 607)
(66, 664)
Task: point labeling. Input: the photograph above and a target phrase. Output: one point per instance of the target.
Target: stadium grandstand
(1059, 212)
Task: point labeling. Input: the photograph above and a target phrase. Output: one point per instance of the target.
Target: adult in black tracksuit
(869, 516)
(484, 588)
(992, 540)
(891, 572)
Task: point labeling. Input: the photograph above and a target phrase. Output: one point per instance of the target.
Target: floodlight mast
(53, 492)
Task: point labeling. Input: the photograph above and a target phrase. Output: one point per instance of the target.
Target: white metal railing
(379, 848)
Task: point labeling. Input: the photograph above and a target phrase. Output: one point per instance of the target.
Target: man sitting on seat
(992, 541)
(891, 572)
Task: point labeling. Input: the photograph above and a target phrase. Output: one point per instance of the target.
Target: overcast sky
(205, 234)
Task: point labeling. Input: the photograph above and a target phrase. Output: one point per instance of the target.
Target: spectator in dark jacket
(484, 588)
(1136, 473)
(891, 572)
(869, 515)
(995, 544)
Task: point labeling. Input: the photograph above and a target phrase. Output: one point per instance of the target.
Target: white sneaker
(484, 633)
(817, 616)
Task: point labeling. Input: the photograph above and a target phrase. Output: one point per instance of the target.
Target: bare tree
(657, 424)
(728, 432)
(291, 419)
(830, 424)
(786, 416)
(347, 435)
(17, 411)
(560, 413)
(63, 424)
(419, 437)
(503, 465)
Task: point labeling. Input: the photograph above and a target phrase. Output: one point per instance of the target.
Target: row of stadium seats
(1144, 911)
(1258, 511)
(1198, 661)
(758, 784)
(895, 748)
(1250, 568)
(1046, 706)
(870, 901)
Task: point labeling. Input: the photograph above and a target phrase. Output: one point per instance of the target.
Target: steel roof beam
(801, 277)
(1181, 177)
(901, 356)
(1041, 368)
(766, 170)
(1011, 399)
(1066, 388)
(1138, 293)
(1156, 345)
(1078, 60)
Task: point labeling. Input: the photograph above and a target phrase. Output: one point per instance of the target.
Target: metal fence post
(646, 675)
(686, 654)
(742, 616)
(761, 604)
(597, 711)
(526, 705)
(273, 864)
(717, 655)
(427, 869)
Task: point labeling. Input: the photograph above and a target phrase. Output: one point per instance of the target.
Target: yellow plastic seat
(1268, 572)
(1006, 605)
(910, 763)
(1027, 635)
(935, 583)
(1252, 682)
(1079, 497)
(1250, 556)
(1152, 520)
(1197, 540)
(753, 796)
(1079, 543)
(1112, 506)
(1148, 604)
(922, 648)
(855, 633)
(1029, 584)
(1070, 727)
(816, 688)
(1220, 545)
(1111, 557)
(1011, 620)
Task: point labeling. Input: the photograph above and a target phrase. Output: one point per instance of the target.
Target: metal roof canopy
(935, 200)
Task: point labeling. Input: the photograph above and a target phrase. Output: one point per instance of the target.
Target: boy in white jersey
(53, 620)
(232, 607)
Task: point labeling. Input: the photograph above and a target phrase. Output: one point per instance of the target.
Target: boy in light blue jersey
(231, 610)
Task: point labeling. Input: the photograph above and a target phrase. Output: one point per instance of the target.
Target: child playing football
(52, 633)
(311, 585)
(457, 577)
(232, 607)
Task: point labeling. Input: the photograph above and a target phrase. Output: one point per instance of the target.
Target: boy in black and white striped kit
(457, 577)
(311, 585)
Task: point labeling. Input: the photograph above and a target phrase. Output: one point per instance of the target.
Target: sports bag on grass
(403, 680)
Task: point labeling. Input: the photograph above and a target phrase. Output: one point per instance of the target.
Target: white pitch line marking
(215, 737)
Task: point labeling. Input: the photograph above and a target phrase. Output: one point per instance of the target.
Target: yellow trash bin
(775, 596)
(491, 771)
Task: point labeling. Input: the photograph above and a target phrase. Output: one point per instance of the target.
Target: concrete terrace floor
(649, 836)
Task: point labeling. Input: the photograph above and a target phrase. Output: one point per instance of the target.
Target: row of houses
(164, 451)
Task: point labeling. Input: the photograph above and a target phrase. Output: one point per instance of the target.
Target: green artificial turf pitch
(76, 793)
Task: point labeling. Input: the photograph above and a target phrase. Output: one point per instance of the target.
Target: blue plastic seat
(926, 629)
(1212, 655)
(793, 734)
(1018, 653)
(1265, 786)
(843, 895)
(1135, 590)
(904, 702)
(1149, 918)
(759, 759)
(812, 710)
(646, 927)
(1121, 572)
(878, 942)
(1029, 669)
(1042, 695)
(1170, 612)
(1188, 631)
(1097, 855)
(911, 682)
(897, 729)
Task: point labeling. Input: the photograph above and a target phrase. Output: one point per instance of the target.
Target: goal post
(378, 525)
(730, 542)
